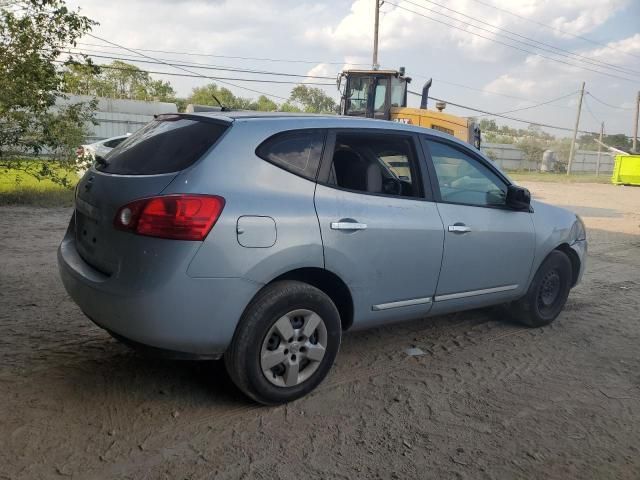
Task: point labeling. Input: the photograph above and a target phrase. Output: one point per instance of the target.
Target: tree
(32, 39)
(205, 96)
(116, 80)
(619, 140)
(313, 100)
(289, 107)
(265, 104)
(532, 148)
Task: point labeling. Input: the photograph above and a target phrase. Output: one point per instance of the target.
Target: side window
(463, 179)
(380, 101)
(297, 151)
(376, 164)
(397, 92)
(114, 143)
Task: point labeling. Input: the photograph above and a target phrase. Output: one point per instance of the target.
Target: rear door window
(168, 144)
(297, 151)
(380, 164)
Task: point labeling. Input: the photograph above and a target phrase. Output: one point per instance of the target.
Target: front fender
(553, 228)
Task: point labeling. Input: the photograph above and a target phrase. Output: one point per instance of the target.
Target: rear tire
(547, 293)
(285, 343)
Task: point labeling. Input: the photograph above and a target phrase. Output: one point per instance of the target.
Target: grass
(20, 188)
(560, 177)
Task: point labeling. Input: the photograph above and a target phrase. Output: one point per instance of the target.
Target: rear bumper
(159, 305)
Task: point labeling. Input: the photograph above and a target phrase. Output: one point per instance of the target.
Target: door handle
(348, 226)
(459, 228)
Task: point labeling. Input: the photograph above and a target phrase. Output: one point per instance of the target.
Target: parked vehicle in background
(100, 148)
(261, 238)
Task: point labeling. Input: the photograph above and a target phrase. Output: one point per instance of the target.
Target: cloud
(618, 52)
(584, 16)
(330, 31)
(464, 24)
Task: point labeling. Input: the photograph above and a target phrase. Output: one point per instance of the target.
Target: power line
(223, 68)
(504, 36)
(199, 65)
(539, 104)
(586, 104)
(213, 67)
(510, 45)
(262, 72)
(482, 90)
(233, 57)
(535, 43)
(186, 70)
(607, 104)
(256, 80)
(493, 114)
(594, 42)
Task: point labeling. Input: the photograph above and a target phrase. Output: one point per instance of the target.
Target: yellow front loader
(382, 94)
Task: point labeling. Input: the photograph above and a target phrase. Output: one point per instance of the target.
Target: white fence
(510, 157)
(118, 117)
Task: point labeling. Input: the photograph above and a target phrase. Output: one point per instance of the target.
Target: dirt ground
(489, 399)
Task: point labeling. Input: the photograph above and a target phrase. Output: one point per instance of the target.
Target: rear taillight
(177, 217)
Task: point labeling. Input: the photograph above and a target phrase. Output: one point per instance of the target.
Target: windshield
(357, 94)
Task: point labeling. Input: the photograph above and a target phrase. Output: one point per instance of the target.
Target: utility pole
(375, 35)
(635, 125)
(575, 131)
(599, 149)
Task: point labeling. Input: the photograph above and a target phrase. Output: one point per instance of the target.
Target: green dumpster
(626, 170)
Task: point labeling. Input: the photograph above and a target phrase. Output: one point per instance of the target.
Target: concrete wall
(510, 157)
(118, 117)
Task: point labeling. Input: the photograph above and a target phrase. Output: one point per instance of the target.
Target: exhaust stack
(425, 94)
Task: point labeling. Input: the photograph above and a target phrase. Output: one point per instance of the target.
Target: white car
(101, 148)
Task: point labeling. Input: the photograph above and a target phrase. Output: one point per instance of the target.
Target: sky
(472, 64)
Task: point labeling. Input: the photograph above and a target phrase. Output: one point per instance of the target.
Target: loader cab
(372, 93)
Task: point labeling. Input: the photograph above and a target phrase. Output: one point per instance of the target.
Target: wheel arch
(573, 258)
(330, 283)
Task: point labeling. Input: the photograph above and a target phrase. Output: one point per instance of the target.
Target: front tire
(547, 293)
(285, 343)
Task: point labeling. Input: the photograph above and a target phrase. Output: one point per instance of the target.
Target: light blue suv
(262, 237)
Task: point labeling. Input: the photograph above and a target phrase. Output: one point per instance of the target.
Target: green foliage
(313, 100)
(562, 147)
(289, 107)
(264, 104)
(17, 187)
(532, 149)
(619, 140)
(494, 133)
(32, 39)
(205, 96)
(116, 80)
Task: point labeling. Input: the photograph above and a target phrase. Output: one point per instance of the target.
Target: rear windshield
(168, 144)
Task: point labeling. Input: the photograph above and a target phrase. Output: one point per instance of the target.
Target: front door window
(463, 179)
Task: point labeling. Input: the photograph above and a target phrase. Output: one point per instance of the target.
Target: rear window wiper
(100, 160)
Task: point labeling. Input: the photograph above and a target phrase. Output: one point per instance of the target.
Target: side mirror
(518, 198)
